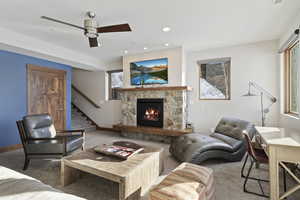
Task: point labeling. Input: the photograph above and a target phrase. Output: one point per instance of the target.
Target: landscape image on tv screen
(149, 72)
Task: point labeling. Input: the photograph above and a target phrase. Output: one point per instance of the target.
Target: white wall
(286, 120)
(176, 71)
(256, 62)
(92, 84)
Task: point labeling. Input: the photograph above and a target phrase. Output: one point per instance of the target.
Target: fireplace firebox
(150, 112)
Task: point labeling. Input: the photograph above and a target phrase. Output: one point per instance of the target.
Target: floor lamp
(263, 93)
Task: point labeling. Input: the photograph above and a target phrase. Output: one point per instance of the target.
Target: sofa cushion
(196, 172)
(234, 143)
(186, 182)
(54, 146)
(14, 185)
(200, 174)
(46, 147)
(185, 147)
(178, 187)
(39, 126)
(233, 127)
(209, 143)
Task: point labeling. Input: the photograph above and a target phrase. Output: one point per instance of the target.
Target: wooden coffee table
(134, 175)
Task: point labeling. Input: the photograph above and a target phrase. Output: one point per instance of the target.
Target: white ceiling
(196, 24)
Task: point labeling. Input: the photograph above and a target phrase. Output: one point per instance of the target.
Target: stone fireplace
(150, 112)
(154, 113)
(174, 105)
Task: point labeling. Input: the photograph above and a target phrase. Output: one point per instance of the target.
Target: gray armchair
(226, 142)
(40, 139)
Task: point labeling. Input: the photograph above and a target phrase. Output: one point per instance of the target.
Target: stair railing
(85, 97)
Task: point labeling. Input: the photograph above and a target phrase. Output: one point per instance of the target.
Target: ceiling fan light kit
(91, 14)
(94, 42)
(91, 29)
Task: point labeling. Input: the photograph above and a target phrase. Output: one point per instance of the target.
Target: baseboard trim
(10, 148)
(100, 128)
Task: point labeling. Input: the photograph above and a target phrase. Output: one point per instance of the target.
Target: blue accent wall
(13, 92)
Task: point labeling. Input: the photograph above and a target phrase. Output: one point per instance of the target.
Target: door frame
(32, 67)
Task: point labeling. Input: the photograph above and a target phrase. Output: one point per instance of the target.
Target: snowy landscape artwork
(149, 72)
(215, 79)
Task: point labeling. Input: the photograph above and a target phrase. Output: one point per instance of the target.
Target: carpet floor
(229, 185)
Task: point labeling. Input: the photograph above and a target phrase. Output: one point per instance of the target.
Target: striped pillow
(176, 187)
(186, 182)
(199, 174)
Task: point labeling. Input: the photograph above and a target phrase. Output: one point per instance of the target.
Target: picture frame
(215, 79)
(149, 72)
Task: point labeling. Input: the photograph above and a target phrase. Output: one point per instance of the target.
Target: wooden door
(46, 90)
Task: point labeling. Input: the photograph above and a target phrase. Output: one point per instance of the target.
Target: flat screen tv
(149, 72)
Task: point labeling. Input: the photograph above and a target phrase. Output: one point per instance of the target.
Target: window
(292, 79)
(115, 81)
(214, 82)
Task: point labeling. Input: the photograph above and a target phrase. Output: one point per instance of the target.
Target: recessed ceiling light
(166, 44)
(145, 48)
(126, 51)
(166, 29)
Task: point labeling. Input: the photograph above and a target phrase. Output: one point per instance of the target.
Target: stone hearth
(175, 105)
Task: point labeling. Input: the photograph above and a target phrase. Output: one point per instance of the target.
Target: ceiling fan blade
(93, 42)
(62, 22)
(114, 28)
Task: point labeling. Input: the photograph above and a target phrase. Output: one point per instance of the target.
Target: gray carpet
(227, 175)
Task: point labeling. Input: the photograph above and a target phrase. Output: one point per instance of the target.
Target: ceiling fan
(91, 29)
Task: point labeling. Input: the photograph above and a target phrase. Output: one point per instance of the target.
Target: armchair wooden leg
(27, 160)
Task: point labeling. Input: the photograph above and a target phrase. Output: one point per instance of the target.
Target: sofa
(227, 142)
(14, 185)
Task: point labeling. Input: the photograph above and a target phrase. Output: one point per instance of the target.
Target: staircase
(81, 121)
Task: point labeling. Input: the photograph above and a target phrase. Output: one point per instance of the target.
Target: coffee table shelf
(134, 175)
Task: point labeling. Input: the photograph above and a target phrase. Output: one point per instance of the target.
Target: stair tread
(80, 121)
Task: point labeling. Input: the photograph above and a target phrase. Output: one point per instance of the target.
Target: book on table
(123, 152)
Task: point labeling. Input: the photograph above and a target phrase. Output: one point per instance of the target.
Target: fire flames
(151, 114)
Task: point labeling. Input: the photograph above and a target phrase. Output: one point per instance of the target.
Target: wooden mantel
(156, 88)
(151, 130)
